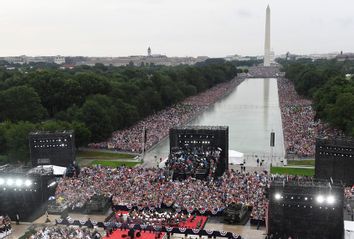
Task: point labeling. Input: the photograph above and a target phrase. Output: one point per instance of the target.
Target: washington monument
(267, 39)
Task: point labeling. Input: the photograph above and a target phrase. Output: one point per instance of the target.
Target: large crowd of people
(191, 161)
(157, 125)
(300, 127)
(152, 188)
(5, 226)
(263, 72)
(74, 192)
(60, 232)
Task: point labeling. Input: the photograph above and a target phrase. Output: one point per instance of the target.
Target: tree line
(94, 100)
(330, 84)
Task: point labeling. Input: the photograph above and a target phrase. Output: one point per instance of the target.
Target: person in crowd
(17, 219)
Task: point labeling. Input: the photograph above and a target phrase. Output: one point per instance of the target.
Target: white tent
(57, 170)
(348, 230)
(235, 157)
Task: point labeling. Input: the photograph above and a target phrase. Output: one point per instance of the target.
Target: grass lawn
(3, 159)
(307, 162)
(114, 164)
(103, 155)
(293, 171)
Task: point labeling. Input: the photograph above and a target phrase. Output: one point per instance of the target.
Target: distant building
(35, 59)
(59, 60)
(155, 59)
(202, 58)
(16, 59)
(316, 56)
(70, 62)
(237, 58)
(345, 57)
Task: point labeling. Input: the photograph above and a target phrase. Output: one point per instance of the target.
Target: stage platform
(197, 223)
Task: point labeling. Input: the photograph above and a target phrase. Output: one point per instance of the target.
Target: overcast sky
(173, 27)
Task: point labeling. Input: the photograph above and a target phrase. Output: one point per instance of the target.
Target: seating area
(152, 189)
(167, 219)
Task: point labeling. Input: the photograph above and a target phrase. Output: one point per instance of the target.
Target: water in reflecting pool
(252, 112)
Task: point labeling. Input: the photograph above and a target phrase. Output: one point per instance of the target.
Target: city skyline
(173, 28)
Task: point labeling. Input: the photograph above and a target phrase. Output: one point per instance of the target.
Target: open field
(293, 171)
(114, 163)
(306, 162)
(103, 155)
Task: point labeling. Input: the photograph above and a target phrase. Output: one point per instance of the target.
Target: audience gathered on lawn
(152, 188)
(300, 127)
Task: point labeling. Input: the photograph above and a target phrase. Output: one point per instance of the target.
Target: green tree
(341, 114)
(21, 103)
(82, 134)
(97, 120)
(3, 129)
(17, 141)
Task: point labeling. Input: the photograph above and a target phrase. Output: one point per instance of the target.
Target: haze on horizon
(214, 28)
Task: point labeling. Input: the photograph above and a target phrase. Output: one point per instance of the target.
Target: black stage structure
(25, 191)
(310, 209)
(52, 148)
(237, 213)
(335, 159)
(204, 137)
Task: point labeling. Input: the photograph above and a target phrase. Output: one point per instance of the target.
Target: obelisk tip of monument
(267, 39)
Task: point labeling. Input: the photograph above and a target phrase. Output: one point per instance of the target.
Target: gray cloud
(345, 22)
(173, 27)
(244, 13)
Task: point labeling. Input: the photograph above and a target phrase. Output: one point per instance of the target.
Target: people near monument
(157, 125)
(60, 232)
(300, 127)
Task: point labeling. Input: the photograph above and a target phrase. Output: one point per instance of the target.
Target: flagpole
(143, 145)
